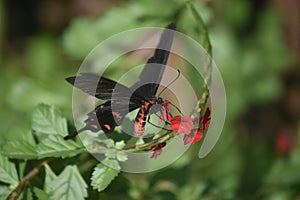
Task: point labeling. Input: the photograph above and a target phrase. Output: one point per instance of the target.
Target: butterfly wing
(99, 87)
(152, 73)
(106, 119)
(111, 113)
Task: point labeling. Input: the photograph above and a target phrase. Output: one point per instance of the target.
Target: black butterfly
(117, 96)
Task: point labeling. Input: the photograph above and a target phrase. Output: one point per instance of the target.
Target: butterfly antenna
(175, 107)
(72, 135)
(171, 82)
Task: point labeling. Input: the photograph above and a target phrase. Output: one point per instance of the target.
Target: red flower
(284, 143)
(205, 120)
(157, 150)
(194, 137)
(196, 134)
(156, 153)
(181, 124)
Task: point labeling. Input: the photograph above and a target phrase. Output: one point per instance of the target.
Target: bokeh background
(256, 46)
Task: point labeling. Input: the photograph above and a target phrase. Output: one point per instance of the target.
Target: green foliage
(49, 127)
(56, 146)
(8, 172)
(68, 185)
(4, 192)
(251, 56)
(40, 194)
(104, 173)
(46, 119)
(113, 21)
(19, 150)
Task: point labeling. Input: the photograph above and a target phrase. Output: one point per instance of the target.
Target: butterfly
(121, 99)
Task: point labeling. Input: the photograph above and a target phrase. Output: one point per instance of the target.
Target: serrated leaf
(50, 176)
(120, 144)
(40, 194)
(56, 146)
(121, 156)
(68, 185)
(109, 143)
(8, 172)
(111, 153)
(48, 119)
(103, 175)
(4, 192)
(18, 150)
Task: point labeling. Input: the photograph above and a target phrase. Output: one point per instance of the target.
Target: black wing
(155, 66)
(103, 88)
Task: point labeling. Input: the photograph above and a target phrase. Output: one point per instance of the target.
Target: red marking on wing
(107, 126)
(94, 127)
(117, 115)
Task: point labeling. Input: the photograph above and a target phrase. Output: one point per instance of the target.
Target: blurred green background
(255, 45)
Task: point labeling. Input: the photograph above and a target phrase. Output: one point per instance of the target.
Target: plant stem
(148, 145)
(205, 41)
(18, 190)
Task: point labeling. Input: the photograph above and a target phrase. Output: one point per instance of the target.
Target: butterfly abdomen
(141, 117)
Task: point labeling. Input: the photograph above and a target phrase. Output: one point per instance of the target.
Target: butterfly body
(143, 113)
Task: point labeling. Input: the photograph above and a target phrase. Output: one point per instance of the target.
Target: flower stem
(146, 146)
(205, 42)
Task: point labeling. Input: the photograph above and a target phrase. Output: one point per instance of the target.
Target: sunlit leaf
(48, 119)
(56, 146)
(103, 175)
(68, 185)
(18, 150)
(50, 176)
(8, 172)
(4, 192)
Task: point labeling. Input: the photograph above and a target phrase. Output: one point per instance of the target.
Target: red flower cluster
(196, 134)
(183, 124)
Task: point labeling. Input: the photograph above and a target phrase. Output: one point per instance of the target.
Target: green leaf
(121, 156)
(29, 195)
(21, 168)
(4, 192)
(103, 175)
(48, 119)
(56, 146)
(119, 145)
(111, 153)
(109, 143)
(50, 176)
(18, 150)
(40, 194)
(68, 185)
(8, 172)
(21, 132)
